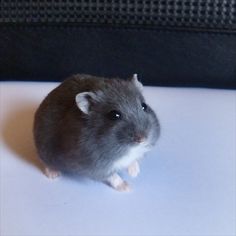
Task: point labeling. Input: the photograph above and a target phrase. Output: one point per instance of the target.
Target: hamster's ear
(83, 101)
(136, 82)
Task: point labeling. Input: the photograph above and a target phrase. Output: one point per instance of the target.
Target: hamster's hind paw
(51, 174)
(134, 169)
(118, 183)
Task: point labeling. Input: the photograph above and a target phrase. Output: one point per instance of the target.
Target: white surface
(186, 185)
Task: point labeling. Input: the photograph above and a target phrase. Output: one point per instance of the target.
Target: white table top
(186, 185)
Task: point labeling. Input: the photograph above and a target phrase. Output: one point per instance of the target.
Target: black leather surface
(167, 42)
(160, 57)
(200, 14)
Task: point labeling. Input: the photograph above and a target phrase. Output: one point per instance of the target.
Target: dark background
(168, 43)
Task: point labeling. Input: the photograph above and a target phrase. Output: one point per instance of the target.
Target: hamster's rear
(50, 119)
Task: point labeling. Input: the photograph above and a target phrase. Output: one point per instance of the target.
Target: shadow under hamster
(18, 134)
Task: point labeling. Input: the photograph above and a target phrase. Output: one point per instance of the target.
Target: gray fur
(71, 141)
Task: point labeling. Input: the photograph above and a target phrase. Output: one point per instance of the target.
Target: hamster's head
(117, 113)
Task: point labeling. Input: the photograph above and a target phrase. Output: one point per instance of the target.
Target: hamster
(95, 127)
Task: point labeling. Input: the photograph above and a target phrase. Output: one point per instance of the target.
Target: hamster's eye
(144, 106)
(114, 115)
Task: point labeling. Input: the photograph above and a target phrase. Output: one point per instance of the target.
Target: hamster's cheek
(122, 133)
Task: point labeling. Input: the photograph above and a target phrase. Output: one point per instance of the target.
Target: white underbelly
(132, 155)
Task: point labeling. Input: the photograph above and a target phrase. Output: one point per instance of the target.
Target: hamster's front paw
(134, 169)
(118, 183)
(123, 187)
(51, 174)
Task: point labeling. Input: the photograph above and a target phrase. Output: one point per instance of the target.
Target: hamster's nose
(139, 138)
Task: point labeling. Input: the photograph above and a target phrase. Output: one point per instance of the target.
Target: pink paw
(123, 187)
(51, 174)
(118, 183)
(134, 169)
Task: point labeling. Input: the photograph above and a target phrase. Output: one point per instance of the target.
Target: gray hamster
(95, 127)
